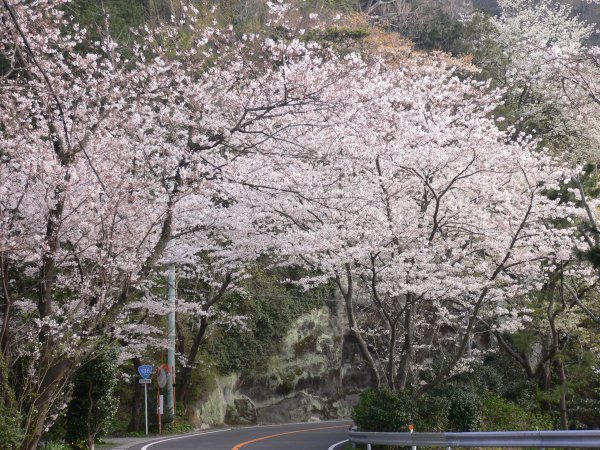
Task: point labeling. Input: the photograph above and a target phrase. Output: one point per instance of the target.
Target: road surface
(307, 436)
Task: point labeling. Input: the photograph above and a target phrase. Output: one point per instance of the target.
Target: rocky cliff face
(318, 375)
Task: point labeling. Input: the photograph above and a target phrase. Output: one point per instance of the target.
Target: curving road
(304, 436)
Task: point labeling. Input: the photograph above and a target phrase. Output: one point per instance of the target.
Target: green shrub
(464, 413)
(433, 414)
(449, 408)
(182, 425)
(383, 410)
(499, 414)
(10, 427)
(11, 432)
(94, 400)
(55, 445)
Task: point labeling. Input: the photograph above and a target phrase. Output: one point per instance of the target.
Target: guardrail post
(368, 446)
(414, 447)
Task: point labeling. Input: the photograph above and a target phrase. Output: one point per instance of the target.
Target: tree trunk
(364, 350)
(40, 407)
(564, 418)
(347, 294)
(391, 372)
(407, 349)
(185, 375)
(137, 401)
(37, 427)
(6, 310)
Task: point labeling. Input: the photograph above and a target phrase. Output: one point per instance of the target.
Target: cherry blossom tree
(111, 165)
(543, 59)
(423, 208)
(550, 73)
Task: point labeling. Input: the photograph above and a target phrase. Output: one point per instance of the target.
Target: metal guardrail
(522, 439)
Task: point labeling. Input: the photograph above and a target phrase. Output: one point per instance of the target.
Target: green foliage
(434, 413)
(464, 407)
(122, 14)
(204, 380)
(342, 39)
(478, 40)
(336, 34)
(499, 414)
(384, 410)
(582, 389)
(501, 376)
(94, 400)
(182, 423)
(432, 27)
(10, 427)
(448, 408)
(500, 381)
(55, 445)
(11, 432)
(287, 384)
(330, 5)
(441, 33)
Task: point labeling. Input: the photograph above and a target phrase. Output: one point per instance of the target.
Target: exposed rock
(317, 375)
(211, 411)
(299, 408)
(241, 412)
(355, 373)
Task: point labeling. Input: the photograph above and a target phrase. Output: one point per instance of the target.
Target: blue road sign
(145, 371)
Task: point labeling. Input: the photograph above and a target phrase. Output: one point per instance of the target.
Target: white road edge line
(330, 448)
(145, 447)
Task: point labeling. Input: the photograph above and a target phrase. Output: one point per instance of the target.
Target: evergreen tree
(94, 400)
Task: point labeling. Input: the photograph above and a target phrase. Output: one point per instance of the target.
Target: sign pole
(146, 405)
(145, 372)
(158, 403)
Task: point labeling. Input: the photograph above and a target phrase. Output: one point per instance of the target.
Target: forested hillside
(311, 208)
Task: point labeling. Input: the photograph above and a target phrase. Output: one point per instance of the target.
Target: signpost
(162, 378)
(145, 372)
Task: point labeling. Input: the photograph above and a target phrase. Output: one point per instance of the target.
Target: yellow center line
(240, 445)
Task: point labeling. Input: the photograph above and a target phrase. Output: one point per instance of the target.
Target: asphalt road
(307, 436)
